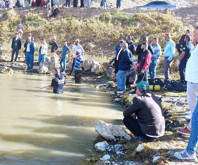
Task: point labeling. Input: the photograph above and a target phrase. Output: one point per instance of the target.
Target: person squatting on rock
(144, 117)
(58, 82)
(64, 57)
(182, 42)
(185, 55)
(30, 49)
(16, 46)
(77, 47)
(192, 83)
(78, 65)
(155, 58)
(42, 51)
(169, 53)
(124, 65)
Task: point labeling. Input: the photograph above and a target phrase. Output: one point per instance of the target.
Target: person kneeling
(144, 117)
(58, 82)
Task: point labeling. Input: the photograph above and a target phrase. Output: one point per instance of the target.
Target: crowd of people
(30, 48)
(144, 117)
(44, 3)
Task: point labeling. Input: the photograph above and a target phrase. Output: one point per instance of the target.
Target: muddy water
(38, 127)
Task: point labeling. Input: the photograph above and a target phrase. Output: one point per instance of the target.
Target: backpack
(156, 84)
(176, 85)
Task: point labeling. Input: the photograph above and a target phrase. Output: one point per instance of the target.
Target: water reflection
(39, 127)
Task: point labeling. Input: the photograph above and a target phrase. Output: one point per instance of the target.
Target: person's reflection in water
(58, 82)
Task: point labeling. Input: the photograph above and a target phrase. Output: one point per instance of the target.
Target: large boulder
(88, 65)
(50, 63)
(6, 70)
(111, 132)
(43, 68)
(96, 67)
(110, 72)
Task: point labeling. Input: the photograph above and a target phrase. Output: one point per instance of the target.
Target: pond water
(39, 127)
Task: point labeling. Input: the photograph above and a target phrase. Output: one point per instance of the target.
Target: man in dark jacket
(131, 45)
(144, 117)
(139, 48)
(54, 45)
(144, 63)
(125, 63)
(182, 42)
(16, 46)
(185, 55)
(58, 82)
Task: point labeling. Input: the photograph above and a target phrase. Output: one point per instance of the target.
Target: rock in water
(101, 146)
(43, 68)
(111, 132)
(111, 84)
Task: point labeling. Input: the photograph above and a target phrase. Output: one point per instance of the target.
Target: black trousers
(133, 126)
(178, 47)
(182, 68)
(142, 77)
(72, 66)
(77, 76)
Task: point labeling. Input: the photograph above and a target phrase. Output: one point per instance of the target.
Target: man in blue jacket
(30, 49)
(124, 65)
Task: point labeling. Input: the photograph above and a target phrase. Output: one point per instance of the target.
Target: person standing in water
(58, 82)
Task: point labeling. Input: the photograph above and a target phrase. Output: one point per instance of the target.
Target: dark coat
(18, 43)
(149, 112)
(125, 61)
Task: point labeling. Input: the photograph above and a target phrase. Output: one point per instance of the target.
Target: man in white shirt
(43, 51)
(191, 76)
(77, 47)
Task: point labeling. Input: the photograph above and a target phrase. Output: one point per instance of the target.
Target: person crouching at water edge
(78, 66)
(58, 82)
(144, 117)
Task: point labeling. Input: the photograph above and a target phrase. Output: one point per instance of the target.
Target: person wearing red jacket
(144, 63)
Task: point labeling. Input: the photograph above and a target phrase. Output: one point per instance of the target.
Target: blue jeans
(41, 58)
(121, 80)
(67, 3)
(63, 64)
(14, 50)
(194, 131)
(118, 3)
(30, 60)
(152, 68)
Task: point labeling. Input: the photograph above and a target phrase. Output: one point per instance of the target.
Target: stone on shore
(96, 67)
(110, 72)
(111, 132)
(101, 146)
(6, 70)
(87, 65)
(105, 157)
